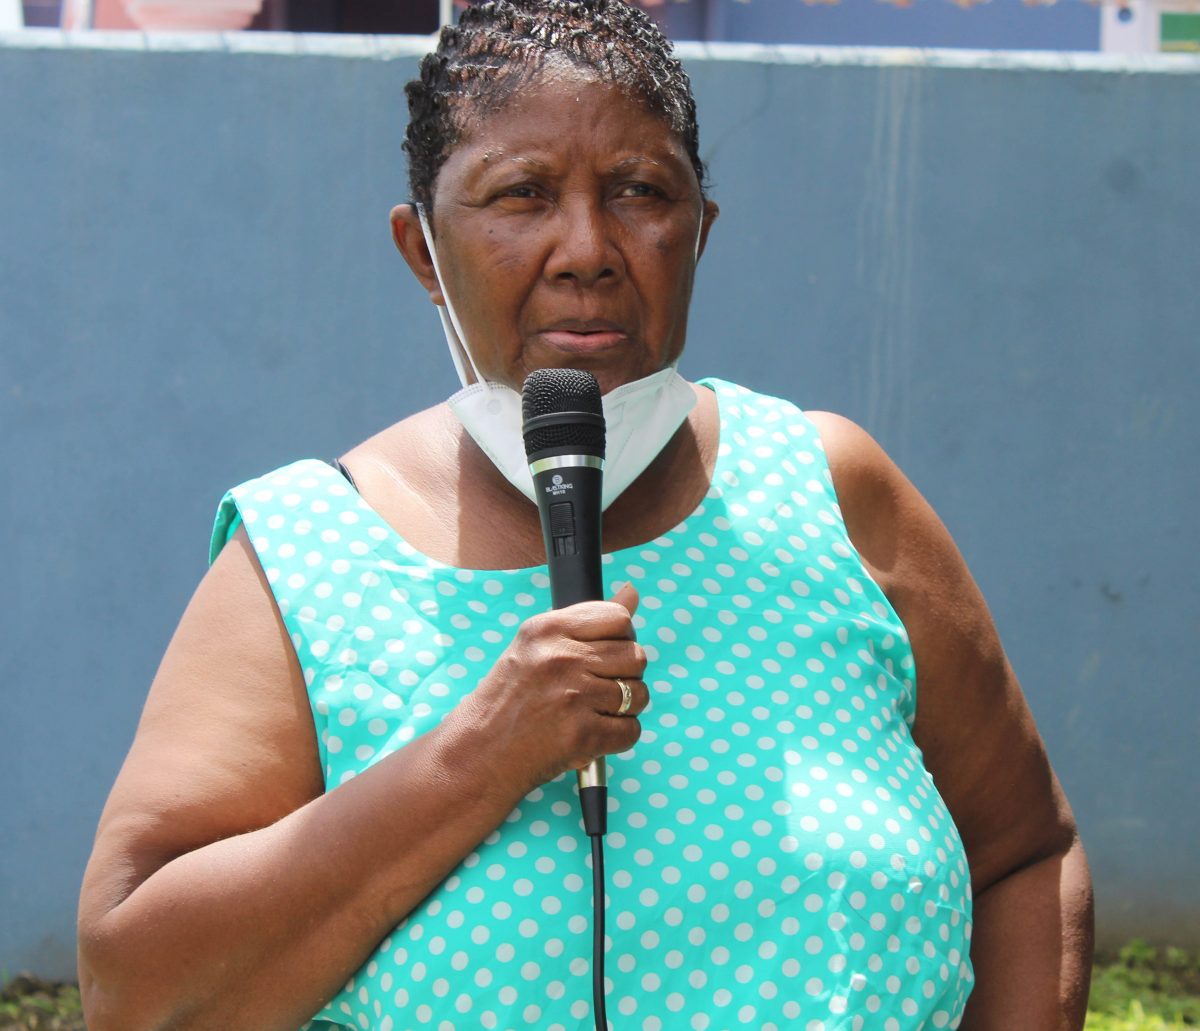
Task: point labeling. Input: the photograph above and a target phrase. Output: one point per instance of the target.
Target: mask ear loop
(464, 364)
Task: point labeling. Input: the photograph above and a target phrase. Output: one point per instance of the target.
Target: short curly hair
(499, 45)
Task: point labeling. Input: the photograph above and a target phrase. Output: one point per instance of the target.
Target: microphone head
(561, 410)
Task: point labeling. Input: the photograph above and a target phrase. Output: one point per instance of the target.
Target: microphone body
(563, 428)
(568, 488)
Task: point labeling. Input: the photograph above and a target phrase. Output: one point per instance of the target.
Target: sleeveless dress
(777, 856)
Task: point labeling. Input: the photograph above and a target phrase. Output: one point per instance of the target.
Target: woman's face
(566, 225)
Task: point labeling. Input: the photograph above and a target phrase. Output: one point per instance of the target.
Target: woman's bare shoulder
(851, 451)
(897, 533)
(875, 497)
(436, 420)
(408, 452)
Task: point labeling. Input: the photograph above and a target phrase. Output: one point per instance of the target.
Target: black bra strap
(337, 464)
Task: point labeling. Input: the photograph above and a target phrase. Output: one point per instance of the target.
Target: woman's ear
(711, 211)
(410, 242)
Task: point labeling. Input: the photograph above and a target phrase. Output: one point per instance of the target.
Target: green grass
(27, 1004)
(1142, 988)
(1145, 989)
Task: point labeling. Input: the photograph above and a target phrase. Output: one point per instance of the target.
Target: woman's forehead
(558, 112)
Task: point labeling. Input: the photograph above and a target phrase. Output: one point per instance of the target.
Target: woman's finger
(588, 621)
(627, 596)
(613, 659)
(617, 734)
(597, 620)
(615, 700)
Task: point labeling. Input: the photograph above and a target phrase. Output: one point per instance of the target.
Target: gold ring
(626, 696)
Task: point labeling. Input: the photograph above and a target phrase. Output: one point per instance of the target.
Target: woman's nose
(583, 251)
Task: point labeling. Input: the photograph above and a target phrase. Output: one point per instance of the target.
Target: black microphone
(563, 427)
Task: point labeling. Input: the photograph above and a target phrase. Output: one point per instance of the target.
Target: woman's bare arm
(225, 889)
(1032, 941)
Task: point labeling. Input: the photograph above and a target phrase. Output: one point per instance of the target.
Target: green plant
(30, 1004)
(1145, 989)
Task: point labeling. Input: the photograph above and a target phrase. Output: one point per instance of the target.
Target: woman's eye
(522, 192)
(640, 190)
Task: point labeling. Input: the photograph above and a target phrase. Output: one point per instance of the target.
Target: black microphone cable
(594, 801)
(598, 932)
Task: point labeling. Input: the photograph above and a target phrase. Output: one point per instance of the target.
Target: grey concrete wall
(995, 25)
(990, 262)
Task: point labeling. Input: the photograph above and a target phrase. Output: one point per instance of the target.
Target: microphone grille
(565, 392)
(549, 391)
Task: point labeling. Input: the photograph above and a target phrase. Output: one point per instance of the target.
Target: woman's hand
(550, 702)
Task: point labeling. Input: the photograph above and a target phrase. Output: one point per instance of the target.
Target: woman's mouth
(578, 337)
(583, 343)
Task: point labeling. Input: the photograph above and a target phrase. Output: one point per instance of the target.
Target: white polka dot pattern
(777, 856)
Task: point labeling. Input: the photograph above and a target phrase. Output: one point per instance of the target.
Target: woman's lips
(583, 342)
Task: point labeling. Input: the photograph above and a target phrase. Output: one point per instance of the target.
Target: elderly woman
(350, 797)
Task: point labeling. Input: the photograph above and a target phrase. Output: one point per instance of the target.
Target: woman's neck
(429, 479)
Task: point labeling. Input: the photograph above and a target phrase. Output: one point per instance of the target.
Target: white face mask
(639, 417)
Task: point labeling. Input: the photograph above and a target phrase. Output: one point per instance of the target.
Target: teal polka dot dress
(777, 856)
